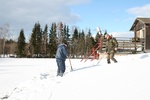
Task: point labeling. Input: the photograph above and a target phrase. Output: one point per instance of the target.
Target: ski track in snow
(37, 85)
(44, 82)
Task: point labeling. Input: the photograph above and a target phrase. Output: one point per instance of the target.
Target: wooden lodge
(140, 41)
(141, 29)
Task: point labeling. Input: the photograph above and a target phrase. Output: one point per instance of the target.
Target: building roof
(143, 20)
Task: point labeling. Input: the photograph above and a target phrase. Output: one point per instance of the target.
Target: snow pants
(111, 56)
(61, 67)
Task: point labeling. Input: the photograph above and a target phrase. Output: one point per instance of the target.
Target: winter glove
(106, 50)
(116, 49)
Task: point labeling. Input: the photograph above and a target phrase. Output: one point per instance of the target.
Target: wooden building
(141, 29)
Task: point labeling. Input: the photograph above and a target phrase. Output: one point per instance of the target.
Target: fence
(128, 45)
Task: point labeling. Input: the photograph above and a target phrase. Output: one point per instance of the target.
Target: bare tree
(4, 33)
(60, 32)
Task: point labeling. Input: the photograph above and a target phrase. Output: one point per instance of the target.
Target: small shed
(141, 28)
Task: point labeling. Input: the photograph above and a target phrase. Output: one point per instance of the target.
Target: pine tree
(75, 42)
(82, 43)
(33, 41)
(97, 37)
(52, 40)
(21, 44)
(75, 34)
(89, 41)
(66, 34)
(36, 40)
(45, 40)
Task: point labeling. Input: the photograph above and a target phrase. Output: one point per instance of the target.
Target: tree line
(44, 42)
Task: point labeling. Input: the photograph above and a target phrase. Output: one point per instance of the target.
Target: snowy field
(35, 79)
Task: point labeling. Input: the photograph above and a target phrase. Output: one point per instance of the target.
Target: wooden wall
(147, 40)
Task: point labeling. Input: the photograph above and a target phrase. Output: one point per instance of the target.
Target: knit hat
(65, 42)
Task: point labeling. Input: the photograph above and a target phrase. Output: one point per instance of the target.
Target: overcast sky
(116, 17)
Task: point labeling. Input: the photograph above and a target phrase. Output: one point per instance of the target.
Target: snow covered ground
(35, 79)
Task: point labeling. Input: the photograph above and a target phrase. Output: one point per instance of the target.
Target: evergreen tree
(21, 44)
(89, 41)
(36, 40)
(97, 37)
(45, 40)
(75, 42)
(75, 34)
(66, 34)
(33, 41)
(82, 43)
(53, 40)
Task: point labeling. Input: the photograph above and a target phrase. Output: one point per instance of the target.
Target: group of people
(62, 53)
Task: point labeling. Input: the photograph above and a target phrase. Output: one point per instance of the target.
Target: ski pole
(70, 63)
(101, 58)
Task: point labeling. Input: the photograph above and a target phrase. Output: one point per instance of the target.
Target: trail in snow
(126, 80)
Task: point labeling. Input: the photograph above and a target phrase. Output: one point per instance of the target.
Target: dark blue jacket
(62, 52)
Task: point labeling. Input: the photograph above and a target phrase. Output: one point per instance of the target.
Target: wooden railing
(126, 44)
